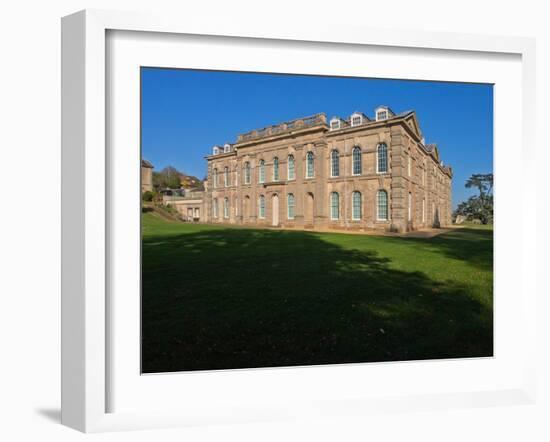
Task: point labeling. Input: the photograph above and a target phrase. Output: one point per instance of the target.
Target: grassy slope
(220, 297)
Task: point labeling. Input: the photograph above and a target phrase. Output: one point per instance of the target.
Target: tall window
(382, 154)
(226, 208)
(409, 161)
(410, 207)
(356, 205)
(382, 205)
(275, 169)
(356, 161)
(334, 205)
(423, 210)
(310, 170)
(290, 205)
(215, 207)
(261, 207)
(247, 173)
(261, 172)
(226, 176)
(215, 177)
(334, 163)
(291, 174)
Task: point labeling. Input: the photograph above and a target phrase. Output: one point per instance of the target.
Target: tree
(169, 177)
(480, 206)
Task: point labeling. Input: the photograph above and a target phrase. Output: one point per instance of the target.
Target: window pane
(356, 203)
(291, 167)
(356, 158)
(290, 203)
(382, 158)
(261, 207)
(334, 206)
(261, 172)
(382, 203)
(335, 163)
(275, 169)
(310, 165)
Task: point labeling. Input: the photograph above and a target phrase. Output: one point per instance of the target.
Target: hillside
(190, 182)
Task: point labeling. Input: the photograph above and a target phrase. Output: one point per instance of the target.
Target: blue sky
(186, 112)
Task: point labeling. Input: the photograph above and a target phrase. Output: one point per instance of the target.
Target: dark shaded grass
(216, 298)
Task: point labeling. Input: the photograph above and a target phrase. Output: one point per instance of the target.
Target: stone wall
(418, 187)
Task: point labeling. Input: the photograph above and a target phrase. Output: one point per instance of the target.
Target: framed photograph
(279, 223)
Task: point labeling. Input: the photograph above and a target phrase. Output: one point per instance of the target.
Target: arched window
(356, 168)
(382, 205)
(215, 177)
(409, 164)
(215, 207)
(291, 174)
(261, 207)
(334, 163)
(382, 158)
(275, 169)
(247, 173)
(310, 166)
(261, 172)
(226, 176)
(409, 217)
(334, 206)
(226, 207)
(356, 205)
(290, 205)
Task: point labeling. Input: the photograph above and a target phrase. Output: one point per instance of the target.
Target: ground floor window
(334, 206)
(382, 205)
(356, 205)
(226, 208)
(261, 207)
(290, 206)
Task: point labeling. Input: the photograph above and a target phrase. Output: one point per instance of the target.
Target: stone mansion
(347, 174)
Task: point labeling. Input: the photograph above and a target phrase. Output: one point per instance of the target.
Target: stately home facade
(346, 174)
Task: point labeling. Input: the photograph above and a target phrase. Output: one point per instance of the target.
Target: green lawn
(224, 297)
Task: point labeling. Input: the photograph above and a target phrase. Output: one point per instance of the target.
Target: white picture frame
(86, 315)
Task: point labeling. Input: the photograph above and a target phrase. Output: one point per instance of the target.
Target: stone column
(398, 191)
(321, 200)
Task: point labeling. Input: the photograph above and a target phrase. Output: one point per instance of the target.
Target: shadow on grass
(230, 298)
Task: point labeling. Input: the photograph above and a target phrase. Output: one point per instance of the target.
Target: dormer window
(356, 119)
(216, 150)
(335, 124)
(383, 113)
(226, 148)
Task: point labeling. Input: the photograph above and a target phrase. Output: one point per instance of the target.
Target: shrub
(147, 196)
